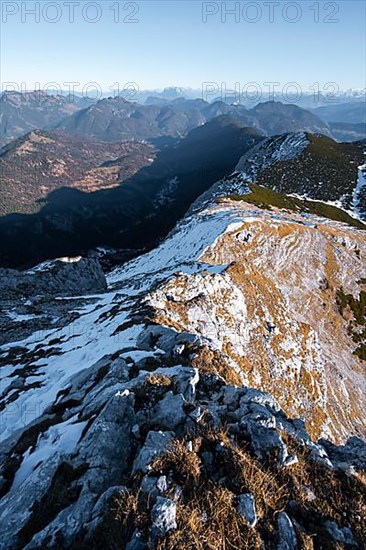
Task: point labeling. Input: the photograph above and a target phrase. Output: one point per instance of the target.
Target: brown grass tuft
(185, 463)
(207, 516)
(159, 380)
(210, 362)
(209, 521)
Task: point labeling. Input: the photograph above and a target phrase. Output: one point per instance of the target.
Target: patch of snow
(337, 203)
(60, 438)
(270, 151)
(360, 187)
(18, 318)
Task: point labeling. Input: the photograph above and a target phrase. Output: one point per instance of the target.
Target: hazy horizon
(157, 44)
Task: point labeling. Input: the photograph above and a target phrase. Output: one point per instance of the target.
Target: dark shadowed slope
(136, 214)
(33, 166)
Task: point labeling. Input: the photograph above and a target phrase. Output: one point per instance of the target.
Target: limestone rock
(342, 535)
(286, 533)
(59, 277)
(246, 508)
(169, 412)
(154, 446)
(163, 516)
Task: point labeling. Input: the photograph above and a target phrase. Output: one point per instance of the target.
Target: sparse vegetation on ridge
(266, 198)
(322, 170)
(208, 493)
(356, 328)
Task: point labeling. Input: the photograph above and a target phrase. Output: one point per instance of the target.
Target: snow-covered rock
(63, 277)
(163, 517)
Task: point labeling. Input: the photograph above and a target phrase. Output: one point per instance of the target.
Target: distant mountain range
(23, 112)
(346, 121)
(354, 112)
(306, 100)
(116, 119)
(167, 116)
(120, 174)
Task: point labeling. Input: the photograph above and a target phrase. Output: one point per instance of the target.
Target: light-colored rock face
(270, 305)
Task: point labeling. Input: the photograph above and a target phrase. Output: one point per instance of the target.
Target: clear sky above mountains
(161, 43)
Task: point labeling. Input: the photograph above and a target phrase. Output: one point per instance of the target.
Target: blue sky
(172, 45)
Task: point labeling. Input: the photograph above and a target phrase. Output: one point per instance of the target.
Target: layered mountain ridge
(116, 119)
(24, 112)
(108, 194)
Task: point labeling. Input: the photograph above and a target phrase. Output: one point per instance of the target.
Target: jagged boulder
(163, 516)
(246, 508)
(155, 444)
(341, 535)
(59, 277)
(140, 441)
(286, 533)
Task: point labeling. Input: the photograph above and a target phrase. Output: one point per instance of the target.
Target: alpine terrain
(207, 394)
(183, 275)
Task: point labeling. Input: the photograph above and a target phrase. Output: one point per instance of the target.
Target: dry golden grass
(207, 516)
(209, 521)
(159, 380)
(131, 511)
(305, 541)
(337, 495)
(211, 362)
(361, 476)
(249, 476)
(185, 463)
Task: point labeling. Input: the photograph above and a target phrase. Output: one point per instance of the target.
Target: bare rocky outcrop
(69, 475)
(66, 276)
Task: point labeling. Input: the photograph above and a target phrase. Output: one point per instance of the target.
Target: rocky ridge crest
(140, 407)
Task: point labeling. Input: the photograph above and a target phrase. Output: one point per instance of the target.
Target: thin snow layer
(45, 266)
(82, 344)
(204, 311)
(359, 191)
(273, 312)
(180, 251)
(339, 203)
(270, 151)
(78, 345)
(60, 438)
(18, 318)
(95, 333)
